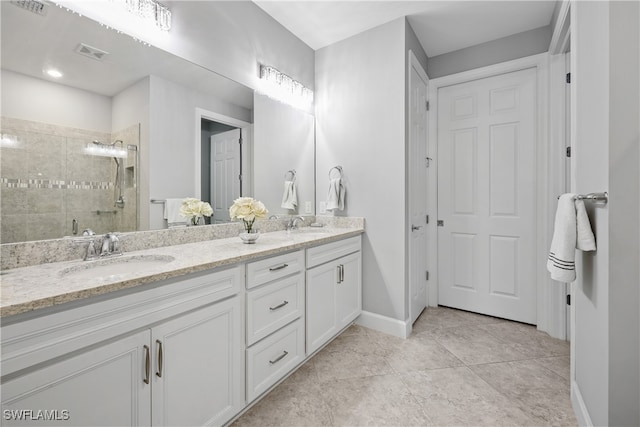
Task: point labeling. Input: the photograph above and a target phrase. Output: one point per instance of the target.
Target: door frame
(414, 63)
(247, 138)
(547, 292)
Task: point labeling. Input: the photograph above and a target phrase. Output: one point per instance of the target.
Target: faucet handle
(88, 232)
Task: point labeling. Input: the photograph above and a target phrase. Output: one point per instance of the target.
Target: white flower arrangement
(247, 209)
(195, 209)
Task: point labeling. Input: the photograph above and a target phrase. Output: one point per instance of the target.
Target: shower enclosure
(56, 181)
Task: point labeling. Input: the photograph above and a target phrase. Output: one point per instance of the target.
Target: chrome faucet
(110, 245)
(293, 223)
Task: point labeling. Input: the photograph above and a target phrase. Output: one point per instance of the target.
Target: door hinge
(427, 219)
(427, 161)
(426, 105)
(568, 78)
(569, 299)
(427, 274)
(568, 151)
(440, 223)
(240, 177)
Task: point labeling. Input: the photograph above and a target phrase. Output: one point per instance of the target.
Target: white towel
(289, 196)
(571, 230)
(335, 198)
(172, 213)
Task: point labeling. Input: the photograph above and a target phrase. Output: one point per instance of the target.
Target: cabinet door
(198, 366)
(101, 387)
(321, 305)
(349, 289)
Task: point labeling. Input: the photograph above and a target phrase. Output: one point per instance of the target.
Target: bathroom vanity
(190, 335)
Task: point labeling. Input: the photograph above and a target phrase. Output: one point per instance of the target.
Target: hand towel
(571, 230)
(289, 196)
(335, 198)
(172, 213)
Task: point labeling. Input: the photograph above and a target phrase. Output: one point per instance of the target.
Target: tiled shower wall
(47, 181)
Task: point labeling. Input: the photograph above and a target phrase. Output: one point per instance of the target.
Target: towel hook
(291, 172)
(338, 168)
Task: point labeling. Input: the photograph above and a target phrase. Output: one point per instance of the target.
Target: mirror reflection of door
(221, 167)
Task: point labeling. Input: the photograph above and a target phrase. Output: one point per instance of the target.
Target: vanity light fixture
(149, 10)
(9, 141)
(282, 87)
(97, 148)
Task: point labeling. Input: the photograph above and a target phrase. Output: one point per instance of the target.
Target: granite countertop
(46, 285)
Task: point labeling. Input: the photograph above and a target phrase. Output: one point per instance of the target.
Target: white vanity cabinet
(334, 290)
(180, 363)
(275, 320)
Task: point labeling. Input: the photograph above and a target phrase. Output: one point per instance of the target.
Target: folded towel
(289, 196)
(172, 213)
(335, 198)
(571, 230)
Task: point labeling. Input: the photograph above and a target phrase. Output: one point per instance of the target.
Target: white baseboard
(385, 324)
(582, 415)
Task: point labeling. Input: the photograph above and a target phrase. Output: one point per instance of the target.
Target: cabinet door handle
(282, 304)
(159, 372)
(279, 358)
(341, 273)
(338, 267)
(147, 364)
(280, 267)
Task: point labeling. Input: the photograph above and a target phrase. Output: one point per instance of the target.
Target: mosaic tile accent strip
(48, 183)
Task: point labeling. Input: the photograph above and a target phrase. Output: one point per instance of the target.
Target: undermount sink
(116, 267)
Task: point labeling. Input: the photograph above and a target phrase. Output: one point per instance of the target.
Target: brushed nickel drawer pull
(282, 304)
(159, 372)
(279, 358)
(147, 364)
(341, 273)
(280, 267)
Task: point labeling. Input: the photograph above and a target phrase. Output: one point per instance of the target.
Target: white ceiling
(441, 26)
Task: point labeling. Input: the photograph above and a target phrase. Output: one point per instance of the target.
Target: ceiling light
(52, 72)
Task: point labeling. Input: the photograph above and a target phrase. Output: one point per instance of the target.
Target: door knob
(416, 227)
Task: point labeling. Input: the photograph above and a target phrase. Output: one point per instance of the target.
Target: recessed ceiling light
(54, 73)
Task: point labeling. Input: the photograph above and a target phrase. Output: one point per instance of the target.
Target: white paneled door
(487, 196)
(417, 188)
(225, 172)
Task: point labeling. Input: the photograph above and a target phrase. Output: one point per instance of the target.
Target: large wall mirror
(126, 127)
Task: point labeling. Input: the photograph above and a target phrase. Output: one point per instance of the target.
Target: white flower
(247, 209)
(195, 207)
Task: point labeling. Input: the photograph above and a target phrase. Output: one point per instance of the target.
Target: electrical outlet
(307, 207)
(323, 207)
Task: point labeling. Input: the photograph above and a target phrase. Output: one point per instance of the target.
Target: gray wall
(507, 48)
(605, 50)
(624, 217)
(359, 85)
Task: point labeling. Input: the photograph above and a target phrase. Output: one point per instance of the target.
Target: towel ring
(338, 168)
(291, 172)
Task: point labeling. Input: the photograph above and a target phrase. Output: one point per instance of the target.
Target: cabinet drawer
(266, 270)
(330, 251)
(272, 358)
(272, 306)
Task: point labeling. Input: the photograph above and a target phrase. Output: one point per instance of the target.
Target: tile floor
(456, 368)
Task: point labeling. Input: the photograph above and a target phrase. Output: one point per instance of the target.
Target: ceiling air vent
(91, 52)
(37, 7)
